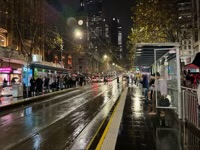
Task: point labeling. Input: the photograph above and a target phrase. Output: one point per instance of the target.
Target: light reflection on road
(71, 115)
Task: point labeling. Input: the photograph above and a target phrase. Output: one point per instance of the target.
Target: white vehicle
(100, 79)
(94, 79)
(6, 91)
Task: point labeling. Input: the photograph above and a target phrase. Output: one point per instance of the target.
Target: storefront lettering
(5, 70)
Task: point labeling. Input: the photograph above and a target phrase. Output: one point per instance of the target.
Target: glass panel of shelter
(166, 87)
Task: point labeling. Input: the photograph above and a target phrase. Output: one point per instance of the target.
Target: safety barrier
(190, 107)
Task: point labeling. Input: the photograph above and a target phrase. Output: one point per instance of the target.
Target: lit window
(2, 41)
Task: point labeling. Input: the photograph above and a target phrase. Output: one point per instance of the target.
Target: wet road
(57, 122)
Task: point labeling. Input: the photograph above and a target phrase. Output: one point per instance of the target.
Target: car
(100, 79)
(94, 79)
(6, 91)
(109, 79)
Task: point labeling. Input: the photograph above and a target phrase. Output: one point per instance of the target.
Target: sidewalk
(140, 131)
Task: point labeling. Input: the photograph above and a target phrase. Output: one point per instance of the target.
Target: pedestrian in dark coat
(39, 84)
(32, 88)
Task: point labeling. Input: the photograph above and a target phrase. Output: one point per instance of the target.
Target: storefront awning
(41, 66)
(191, 66)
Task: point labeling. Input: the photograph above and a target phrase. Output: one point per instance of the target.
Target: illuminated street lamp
(105, 57)
(78, 34)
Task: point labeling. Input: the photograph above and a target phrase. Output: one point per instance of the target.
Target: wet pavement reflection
(141, 131)
(57, 122)
(70, 120)
(5, 100)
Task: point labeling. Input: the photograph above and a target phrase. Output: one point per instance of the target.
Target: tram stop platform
(133, 127)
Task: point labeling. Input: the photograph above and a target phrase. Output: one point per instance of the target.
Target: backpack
(164, 102)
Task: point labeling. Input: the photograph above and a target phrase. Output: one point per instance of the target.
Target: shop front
(42, 69)
(11, 81)
(10, 75)
(5, 74)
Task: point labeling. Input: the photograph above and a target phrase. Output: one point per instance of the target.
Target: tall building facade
(189, 37)
(85, 56)
(21, 30)
(95, 22)
(196, 24)
(21, 22)
(116, 37)
(185, 20)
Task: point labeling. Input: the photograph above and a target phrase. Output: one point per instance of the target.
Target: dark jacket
(144, 82)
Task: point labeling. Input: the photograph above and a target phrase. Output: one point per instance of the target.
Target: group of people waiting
(55, 83)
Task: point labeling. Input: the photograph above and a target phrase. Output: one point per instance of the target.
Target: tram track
(64, 116)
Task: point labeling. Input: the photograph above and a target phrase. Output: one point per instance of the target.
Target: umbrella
(191, 66)
(196, 60)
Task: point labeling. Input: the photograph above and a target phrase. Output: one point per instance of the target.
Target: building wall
(20, 21)
(116, 37)
(185, 21)
(196, 25)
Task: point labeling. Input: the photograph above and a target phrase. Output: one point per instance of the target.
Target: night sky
(113, 8)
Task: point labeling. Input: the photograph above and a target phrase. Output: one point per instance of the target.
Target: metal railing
(190, 106)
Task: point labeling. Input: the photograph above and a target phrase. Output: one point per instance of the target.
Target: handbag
(164, 102)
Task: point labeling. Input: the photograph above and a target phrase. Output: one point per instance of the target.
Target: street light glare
(105, 56)
(78, 33)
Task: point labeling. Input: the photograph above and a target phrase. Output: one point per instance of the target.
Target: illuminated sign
(6, 70)
(18, 71)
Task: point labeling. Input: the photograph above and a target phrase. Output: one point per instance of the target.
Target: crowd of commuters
(55, 83)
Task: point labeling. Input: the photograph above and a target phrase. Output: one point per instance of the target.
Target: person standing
(61, 81)
(32, 88)
(66, 81)
(81, 80)
(39, 84)
(46, 84)
(105, 80)
(5, 82)
(117, 79)
(145, 85)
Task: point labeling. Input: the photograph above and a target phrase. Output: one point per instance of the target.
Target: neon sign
(6, 70)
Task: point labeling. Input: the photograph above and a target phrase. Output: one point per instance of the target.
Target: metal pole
(183, 106)
(178, 81)
(156, 86)
(27, 76)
